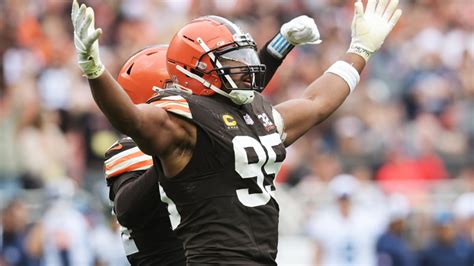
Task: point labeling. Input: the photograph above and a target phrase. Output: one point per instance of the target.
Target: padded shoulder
(125, 156)
(172, 102)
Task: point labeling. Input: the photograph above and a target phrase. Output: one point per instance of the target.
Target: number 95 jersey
(222, 204)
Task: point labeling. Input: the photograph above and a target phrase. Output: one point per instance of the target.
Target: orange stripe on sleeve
(123, 159)
(176, 107)
(174, 104)
(142, 165)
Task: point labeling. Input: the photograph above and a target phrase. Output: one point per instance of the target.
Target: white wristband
(347, 72)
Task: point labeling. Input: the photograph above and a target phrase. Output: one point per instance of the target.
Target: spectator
(10, 120)
(344, 234)
(393, 248)
(107, 245)
(13, 243)
(447, 247)
(65, 230)
(464, 214)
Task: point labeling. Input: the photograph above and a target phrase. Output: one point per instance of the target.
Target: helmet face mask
(211, 55)
(240, 69)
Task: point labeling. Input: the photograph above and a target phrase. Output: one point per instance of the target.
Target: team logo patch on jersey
(229, 121)
(116, 147)
(248, 119)
(267, 123)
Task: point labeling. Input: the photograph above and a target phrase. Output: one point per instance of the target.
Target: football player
(146, 231)
(216, 152)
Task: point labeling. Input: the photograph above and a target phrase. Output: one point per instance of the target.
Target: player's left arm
(322, 97)
(298, 31)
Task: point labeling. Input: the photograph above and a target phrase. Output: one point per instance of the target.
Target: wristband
(279, 46)
(347, 72)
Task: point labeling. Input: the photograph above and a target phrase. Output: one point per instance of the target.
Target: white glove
(301, 30)
(370, 29)
(86, 40)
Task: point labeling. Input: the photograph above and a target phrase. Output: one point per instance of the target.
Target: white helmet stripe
(234, 29)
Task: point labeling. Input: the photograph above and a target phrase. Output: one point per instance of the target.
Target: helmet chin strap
(238, 97)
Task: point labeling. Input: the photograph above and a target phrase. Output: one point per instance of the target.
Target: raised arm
(298, 31)
(141, 122)
(322, 97)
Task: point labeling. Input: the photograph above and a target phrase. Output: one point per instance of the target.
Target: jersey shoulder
(125, 156)
(172, 101)
(119, 146)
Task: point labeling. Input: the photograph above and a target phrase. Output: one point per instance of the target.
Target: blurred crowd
(406, 134)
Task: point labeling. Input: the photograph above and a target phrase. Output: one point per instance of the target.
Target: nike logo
(118, 147)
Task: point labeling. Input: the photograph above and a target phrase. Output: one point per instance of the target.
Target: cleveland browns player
(217, 155)
(146, 231)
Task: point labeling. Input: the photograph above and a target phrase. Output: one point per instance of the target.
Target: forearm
(329, 91)
(115, 103)
(298, 31)
(319, 100)
(369, 31)
(271, 59)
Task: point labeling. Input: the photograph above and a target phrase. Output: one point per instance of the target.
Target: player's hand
(370, 29)
(301, 30)
(86, 40)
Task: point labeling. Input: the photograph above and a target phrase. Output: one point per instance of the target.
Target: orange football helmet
(196, 53)
(143, 71)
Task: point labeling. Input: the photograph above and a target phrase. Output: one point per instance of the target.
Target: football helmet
(144, 72)
(212, 55)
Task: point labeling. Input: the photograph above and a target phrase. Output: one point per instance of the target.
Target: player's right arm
(141, 122)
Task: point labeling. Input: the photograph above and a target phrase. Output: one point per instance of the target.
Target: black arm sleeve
(136, 194)
(270, 61)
